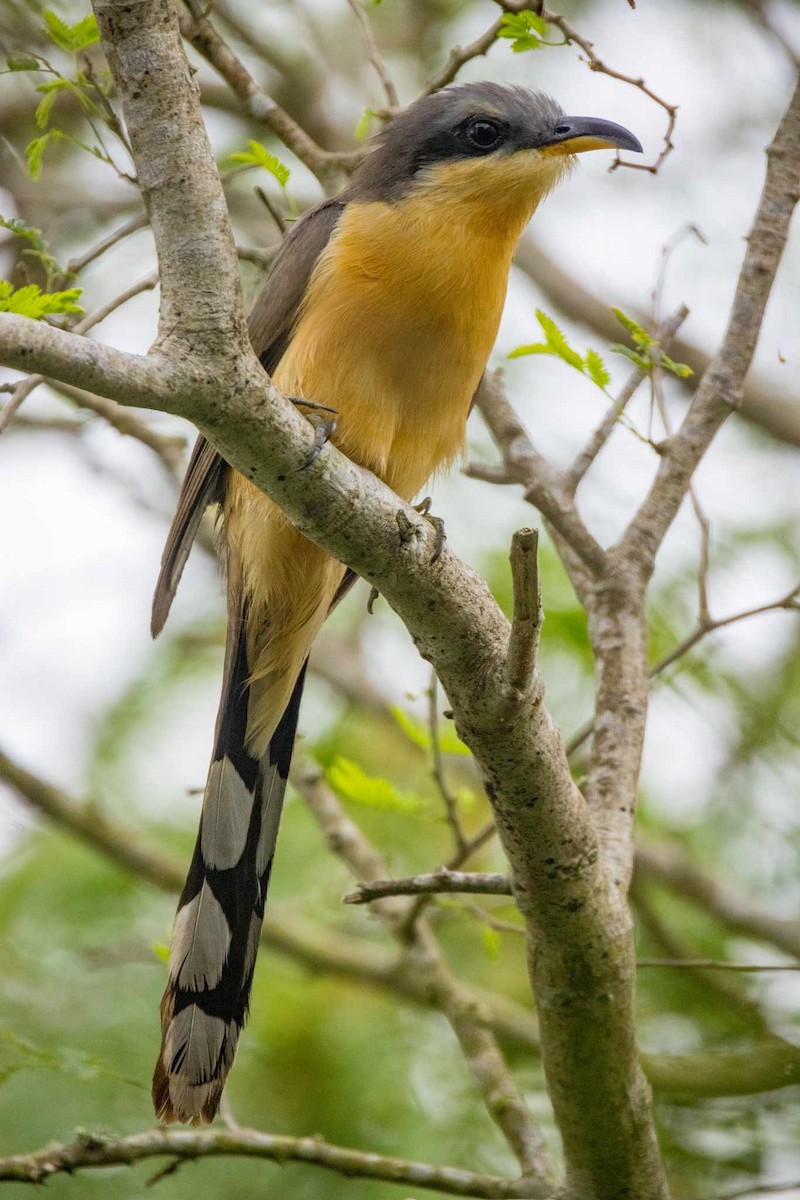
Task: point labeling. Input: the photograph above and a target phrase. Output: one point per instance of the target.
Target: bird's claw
(408, 530)
(424, 509)
(324, 429)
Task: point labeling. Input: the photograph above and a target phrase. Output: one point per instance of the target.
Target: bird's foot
(324, 428)
(424, 509)
(408, 530)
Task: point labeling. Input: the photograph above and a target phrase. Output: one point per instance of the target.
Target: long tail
(221, 909)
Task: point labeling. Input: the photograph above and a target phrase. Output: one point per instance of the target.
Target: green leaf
(362, 128)
(259, 156)
(35, 149)
(350, 782)
(415, 731)
(492, 942)
(22, 62)
(525, 30)
(419, 734)
(31, 301)
(85, 32)
(639, 335)
(161, 951)
(640, 360)
(43, 108)
(533, 348)
(70, 38)
(558, 343)
(57, 30)
(682, 370)
(22, 229)
(597, 370)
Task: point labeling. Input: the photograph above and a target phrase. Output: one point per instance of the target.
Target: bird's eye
(483, 135)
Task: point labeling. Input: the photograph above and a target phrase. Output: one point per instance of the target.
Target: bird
(382, 308)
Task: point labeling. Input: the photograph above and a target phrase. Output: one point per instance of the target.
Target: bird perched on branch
(383, 305)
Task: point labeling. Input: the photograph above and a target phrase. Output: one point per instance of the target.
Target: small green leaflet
(649, 353)
(525, 30)
(556, 344)
(35, 150)
(259, 156)
(362, 128)
(31, 301)
(350, 782)
(639, 336)
(71, 38)
(22, 229)
(492, 942)
(38, 246)
(49, 92)
(419, 734)
(596, 369)
(22, 62)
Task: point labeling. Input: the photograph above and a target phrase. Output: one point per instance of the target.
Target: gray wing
(270, 326)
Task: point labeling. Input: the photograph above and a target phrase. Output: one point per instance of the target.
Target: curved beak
(574, 135)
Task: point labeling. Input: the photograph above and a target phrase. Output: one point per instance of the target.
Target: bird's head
(483, 147)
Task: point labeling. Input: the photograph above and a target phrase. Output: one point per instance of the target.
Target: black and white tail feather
(222, 906)
(221, 910)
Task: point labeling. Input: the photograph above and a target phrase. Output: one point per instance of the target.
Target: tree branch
(526, 623)
(433, 883)
(184, 1145)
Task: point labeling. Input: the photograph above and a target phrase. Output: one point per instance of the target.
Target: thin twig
(441, 882)
(76, 265)
(459, 55)
(788, 603)
(714, 964)
(329, 169)
(595, 63)
(187, 1145)
(273, 210)
(374, 54)
(545, 485)
(604, 430)
(437, 766)
(459, 858)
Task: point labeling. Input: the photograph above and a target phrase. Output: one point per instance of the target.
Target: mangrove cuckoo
(383, 305)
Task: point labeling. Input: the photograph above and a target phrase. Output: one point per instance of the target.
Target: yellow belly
(395, 339)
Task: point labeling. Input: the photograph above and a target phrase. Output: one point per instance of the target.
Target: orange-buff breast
(399, 318)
